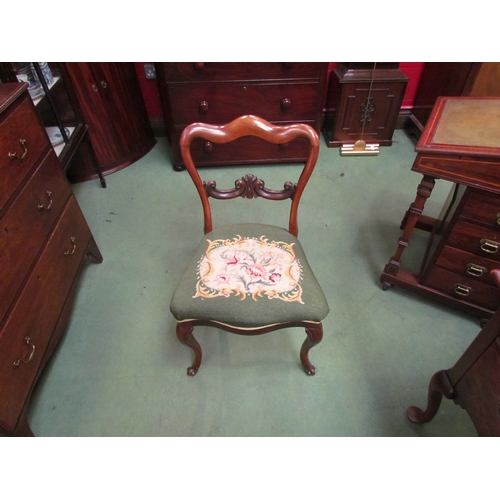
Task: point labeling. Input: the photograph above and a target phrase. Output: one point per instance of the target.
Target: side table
(460, 144)
(473, 382)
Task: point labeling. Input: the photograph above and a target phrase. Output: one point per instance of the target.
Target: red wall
(413, 70)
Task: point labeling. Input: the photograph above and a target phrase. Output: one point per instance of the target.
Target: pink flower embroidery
(232, 260)
(222, 278)
(244, 267)
(256, 271)
(274, 277)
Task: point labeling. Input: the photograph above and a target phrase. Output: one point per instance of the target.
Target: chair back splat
(249, 278)
(250, 186)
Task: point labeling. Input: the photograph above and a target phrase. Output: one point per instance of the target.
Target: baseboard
(158, 126)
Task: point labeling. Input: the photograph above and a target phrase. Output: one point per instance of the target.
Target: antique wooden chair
(249, 278)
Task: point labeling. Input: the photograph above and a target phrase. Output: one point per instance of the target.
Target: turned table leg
(416, 209)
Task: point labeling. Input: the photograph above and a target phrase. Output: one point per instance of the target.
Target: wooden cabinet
(368, 100)
(110, 100)
(217, 93)
(44, 240)
(459, 144)
(55, 102)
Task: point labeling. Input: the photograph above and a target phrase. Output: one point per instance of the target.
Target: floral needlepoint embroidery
(254, 267)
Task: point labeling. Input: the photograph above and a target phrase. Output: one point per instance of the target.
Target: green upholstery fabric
(243, 311)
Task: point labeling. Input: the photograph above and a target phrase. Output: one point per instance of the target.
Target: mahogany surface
(216, 93)
(473, 382)
(111, 103)
(44, 241)
(465, 240)
(250, 187)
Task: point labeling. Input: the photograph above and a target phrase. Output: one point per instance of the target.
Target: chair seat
(249, 276)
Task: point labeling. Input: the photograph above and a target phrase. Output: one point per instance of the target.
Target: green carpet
(120, 370)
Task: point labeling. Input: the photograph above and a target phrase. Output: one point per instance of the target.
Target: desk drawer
(22, 135)
(27, 224)
(482, 207)
(476, 239)
(224, 102)
(460, 287)
(28, 330)
(467, 264)
(229, 71)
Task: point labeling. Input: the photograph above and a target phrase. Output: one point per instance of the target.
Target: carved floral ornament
(249, 267)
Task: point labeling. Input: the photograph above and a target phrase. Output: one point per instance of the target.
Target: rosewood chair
(249, 278)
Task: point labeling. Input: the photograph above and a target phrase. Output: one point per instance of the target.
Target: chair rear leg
(184, 333)
(314, 336)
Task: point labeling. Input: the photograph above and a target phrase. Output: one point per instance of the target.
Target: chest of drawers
(217, 93)
(44, 240)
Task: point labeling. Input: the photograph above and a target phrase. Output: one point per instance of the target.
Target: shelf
(58, 148)
(36, 100)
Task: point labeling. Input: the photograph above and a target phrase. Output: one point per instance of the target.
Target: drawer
(27, 331)
(230, 71)
(245, 150)
(479, 392)
(27, 224)
(482, 207)
(475, 239)
(467, 264)
(22, 134)
(222, 103)
(460, 287)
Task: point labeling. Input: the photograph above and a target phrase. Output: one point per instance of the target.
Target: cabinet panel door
(121, 92)
(112, 105)
(88, 93)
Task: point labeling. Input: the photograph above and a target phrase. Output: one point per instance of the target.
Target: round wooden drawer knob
(207, 147)
(203, 107)
(286, 104)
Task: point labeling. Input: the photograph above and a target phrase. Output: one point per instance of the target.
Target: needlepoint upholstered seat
(249, 278)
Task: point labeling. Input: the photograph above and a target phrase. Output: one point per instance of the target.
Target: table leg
(424, 190)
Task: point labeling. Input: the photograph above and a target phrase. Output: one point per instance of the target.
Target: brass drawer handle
(489, 246)
(104, 84)
(498, 218)
(475, 270)
(462, 290)
(23, 156)
(41, 206)
(27, 339)
(72, 251)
